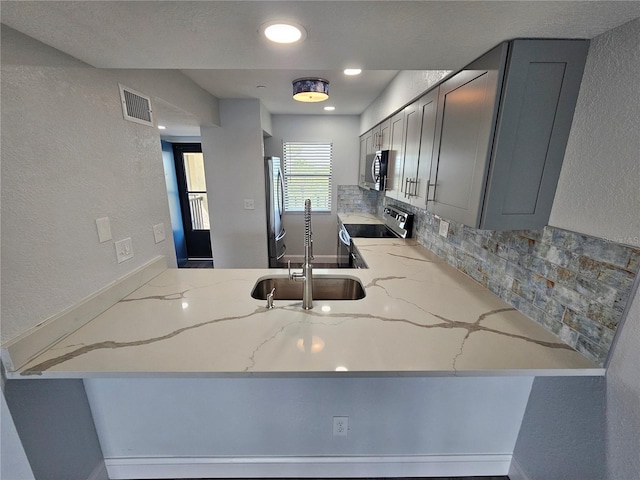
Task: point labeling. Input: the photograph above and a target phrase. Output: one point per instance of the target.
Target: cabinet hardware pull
(429, 185)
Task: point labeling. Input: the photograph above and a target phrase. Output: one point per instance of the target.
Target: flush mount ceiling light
(310, 89)
(352, 71)
(281, 32)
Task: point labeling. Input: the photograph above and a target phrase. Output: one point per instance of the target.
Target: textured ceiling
(217, 43)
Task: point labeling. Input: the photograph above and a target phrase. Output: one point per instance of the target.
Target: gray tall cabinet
(485, 146)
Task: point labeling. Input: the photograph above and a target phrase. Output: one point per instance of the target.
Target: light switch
(249, 204)
(104, 229)
(158, 232)
(124, 250)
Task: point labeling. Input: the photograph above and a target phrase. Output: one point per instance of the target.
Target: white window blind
(307, 174)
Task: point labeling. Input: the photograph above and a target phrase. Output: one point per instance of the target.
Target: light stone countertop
(420, 317)
(360, 218)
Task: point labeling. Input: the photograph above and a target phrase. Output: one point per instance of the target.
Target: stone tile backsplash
(352, 198)
(574, 285)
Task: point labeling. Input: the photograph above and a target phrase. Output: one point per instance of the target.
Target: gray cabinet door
(466, 108)
(385, 134)
(396, 155)
(427, 109)
(365, 148)
(539, 96)
(411, 151)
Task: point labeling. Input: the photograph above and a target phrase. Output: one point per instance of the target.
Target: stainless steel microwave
(376, 170)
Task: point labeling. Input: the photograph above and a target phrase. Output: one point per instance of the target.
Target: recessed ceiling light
(281, 32)
(329, 109)
(161, 127)
(352, 71)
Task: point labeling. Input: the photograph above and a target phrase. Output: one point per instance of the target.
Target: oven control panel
(399, 221)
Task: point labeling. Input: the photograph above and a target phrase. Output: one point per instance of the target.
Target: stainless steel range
(397, 224)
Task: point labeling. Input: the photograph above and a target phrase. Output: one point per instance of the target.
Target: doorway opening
(192, 191)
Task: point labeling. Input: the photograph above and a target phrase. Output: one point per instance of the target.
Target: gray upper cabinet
(539, 98)
(420, 126)
(503, 124)
(466, 109)
(396, 155)
(366, 146)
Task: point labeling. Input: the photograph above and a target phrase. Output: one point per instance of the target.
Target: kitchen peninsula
(420, 317)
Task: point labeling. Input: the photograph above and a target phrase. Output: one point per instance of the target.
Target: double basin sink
(325, 287)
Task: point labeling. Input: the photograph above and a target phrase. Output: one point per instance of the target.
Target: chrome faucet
(307, 269)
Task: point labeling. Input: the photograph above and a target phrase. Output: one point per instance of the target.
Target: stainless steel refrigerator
(274, 189)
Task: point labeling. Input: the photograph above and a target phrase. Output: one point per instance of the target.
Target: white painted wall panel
(267, 416)
(234, 166)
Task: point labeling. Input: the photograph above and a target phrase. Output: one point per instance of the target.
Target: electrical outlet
(104, 229)
(444, 228)
(158, 232)
(249, 204)
(124, 250)
(340, 426)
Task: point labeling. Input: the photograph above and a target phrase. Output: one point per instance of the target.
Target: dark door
(192, 189)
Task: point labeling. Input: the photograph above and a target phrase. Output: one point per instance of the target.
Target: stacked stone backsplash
(574, 285)
(352, 198)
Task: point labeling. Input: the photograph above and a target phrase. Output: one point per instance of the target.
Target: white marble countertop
(360, 218)
(420, 317)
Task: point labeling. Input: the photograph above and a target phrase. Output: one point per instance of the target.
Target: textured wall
(599, 188)
(68, 158)
(599, 194)
(56, 428)
(569, 443)
(13, 462)
(623, 400)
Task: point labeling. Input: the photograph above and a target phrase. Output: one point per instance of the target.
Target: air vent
(136, 107)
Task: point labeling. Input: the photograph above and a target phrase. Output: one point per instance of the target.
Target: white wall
(68, 158)
(256, 417)
(405, 87)
(342, 131)
(234, 166)
(599, 194)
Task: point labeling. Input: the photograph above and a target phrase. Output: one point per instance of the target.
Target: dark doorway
(192, 189)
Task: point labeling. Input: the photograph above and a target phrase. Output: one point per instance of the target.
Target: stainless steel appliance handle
(281, 186)
(344, 236)
(375, 177)
(429, 185)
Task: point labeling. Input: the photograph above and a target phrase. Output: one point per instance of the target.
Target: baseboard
(19, 351)
(308, 467)
(516, 472)
(99, 473)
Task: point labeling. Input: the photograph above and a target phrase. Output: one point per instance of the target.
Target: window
(307, 174)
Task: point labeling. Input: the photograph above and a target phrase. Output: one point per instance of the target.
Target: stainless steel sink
(325, 287)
